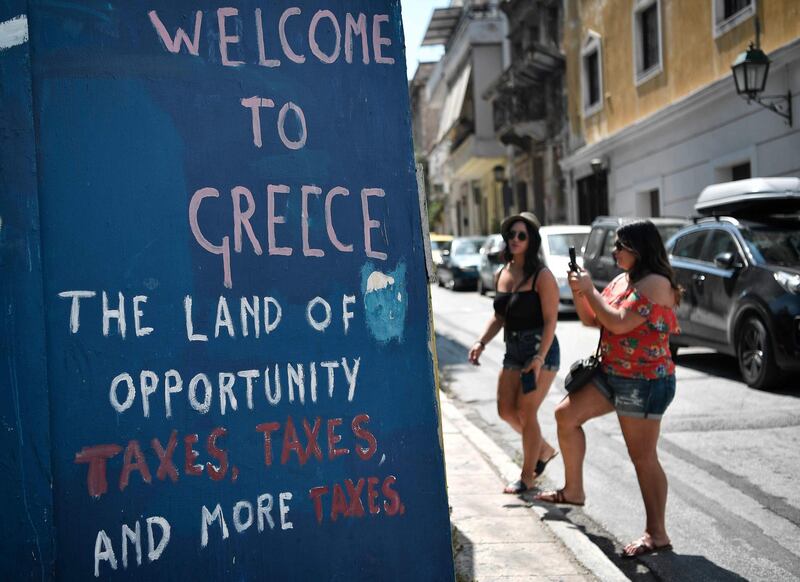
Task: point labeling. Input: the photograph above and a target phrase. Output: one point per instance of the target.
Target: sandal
(642, 547)
(556, 497)
(542, 465)
(516, 487)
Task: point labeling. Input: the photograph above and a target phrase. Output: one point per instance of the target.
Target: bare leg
(641, 438)
(508, 391)
(576, 409)
(532, 441)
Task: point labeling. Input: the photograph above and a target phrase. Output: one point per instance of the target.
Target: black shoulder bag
(582, 371)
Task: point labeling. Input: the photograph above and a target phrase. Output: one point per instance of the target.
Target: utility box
(217, 356)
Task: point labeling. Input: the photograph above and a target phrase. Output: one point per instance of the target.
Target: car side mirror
(727, 260)
(445, 253)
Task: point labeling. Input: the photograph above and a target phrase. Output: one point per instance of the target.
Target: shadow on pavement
(631, 568)
(661, 566)
(463, 556)
(727, 367)
(686, 568)
(712, 363)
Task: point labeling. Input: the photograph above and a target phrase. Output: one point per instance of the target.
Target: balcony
(518, 106)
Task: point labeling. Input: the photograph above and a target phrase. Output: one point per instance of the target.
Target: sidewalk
(506, 537)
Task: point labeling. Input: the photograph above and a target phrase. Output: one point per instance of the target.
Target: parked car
(459, 267)
(439, 243)
(741, 276)
(598, 260)
(491, 261)
(556, 241)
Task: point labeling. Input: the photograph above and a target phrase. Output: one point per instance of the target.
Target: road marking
(13, 32)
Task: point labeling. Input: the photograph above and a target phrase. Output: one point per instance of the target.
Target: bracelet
(480, 343)
(538, 357)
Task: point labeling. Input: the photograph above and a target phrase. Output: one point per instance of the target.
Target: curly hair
(643, 238)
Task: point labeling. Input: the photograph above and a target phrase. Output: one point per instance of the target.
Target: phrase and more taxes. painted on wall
(260, 399)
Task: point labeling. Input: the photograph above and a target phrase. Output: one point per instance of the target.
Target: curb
(586, 552)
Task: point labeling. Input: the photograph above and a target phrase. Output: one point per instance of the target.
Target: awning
(443, 23)
(454, 102)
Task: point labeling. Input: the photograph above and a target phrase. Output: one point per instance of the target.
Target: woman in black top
(526, 306)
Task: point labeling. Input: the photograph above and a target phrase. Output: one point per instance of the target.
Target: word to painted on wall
(172, 458)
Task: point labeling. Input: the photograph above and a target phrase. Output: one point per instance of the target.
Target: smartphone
(573, 262)
(528, 382)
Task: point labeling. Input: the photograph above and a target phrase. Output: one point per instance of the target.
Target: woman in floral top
(636, 377)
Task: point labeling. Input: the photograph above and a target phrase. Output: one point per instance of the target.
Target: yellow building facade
(640, 68)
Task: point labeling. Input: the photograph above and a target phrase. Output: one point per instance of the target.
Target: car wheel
(481, 287)
(754, 352)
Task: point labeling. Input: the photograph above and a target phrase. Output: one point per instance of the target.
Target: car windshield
(467, 247)
(667, 230)
(773, 245)
(560, 243)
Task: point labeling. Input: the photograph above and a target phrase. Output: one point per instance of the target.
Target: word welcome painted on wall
(242, 203)
(173, 459)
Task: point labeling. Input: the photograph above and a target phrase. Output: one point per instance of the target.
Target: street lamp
(499, 173)
(750, 70)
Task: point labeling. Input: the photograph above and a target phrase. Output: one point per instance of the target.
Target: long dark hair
(643, 238)
(532, 261)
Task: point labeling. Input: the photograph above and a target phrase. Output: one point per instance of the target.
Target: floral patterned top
(643, 352)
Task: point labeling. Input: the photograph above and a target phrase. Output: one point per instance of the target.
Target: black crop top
(521, 309)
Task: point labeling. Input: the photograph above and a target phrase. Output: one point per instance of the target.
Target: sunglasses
(620, 246)
(521, 235)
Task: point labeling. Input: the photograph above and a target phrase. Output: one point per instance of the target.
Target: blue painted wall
(26, 529)
(126, 134)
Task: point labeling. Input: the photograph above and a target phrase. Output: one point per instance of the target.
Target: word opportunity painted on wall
(241, 383)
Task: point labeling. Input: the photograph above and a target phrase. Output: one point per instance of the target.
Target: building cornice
(665, 116)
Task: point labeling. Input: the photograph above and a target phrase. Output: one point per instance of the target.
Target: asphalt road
(731, 454)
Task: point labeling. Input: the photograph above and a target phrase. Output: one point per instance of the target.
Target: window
(522, 196)
(553, 24)
(721, 242)
(592, 197)
(740, 171)
(595, 240)
(646, 39)
(731, 7)
(648, 202)
(559, 243)
(655, 203)
(592, 79)
(689, 246)
(592, 75)
(774, 244)
(467, 247)
(611, 238)
(730, 13)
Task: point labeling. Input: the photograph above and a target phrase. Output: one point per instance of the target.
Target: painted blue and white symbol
(385, 301)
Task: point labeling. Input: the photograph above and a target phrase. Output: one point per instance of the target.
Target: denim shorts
(521, 346)
(636, 397)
